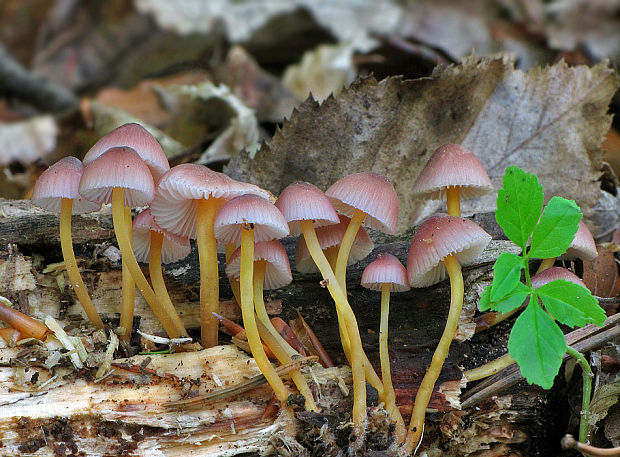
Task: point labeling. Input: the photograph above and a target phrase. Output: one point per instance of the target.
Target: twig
(16, 81)
(238, 389)
(568, 442)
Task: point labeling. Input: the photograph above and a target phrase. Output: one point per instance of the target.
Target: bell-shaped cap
(331, 235)
(173, 247)
(553, 273)
(118, 167)
(452, 165)
(137, 138)
(277, 271)
(385, 269)
(583, 246)
(435, 239)
(59, 181)
(302, 201)
(268, 222)
(178, 191)
(371, 193)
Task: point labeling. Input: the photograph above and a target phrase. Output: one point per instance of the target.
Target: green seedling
(536, 341)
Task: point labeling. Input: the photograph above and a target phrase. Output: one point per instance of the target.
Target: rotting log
(505, 425)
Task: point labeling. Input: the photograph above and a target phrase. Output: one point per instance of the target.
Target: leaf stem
(587, 392)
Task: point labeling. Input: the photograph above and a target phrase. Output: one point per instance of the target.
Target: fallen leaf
(535, 120)
(195, 108)
(601, 274)
(28, 140)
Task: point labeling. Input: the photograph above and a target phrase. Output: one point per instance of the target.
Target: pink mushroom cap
(178, 191)
(268, 222)
(371, 193)
(435, 239)
(385, 269)
(553, 273)
(59, 181)
(173, 248)
(452, 165)
(277, 272)
(303, 201)
(137, 138)
(583, 246)
(331, 235)
(118, 167)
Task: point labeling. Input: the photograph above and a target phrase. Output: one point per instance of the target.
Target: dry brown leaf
(601, 274)
(536, 120)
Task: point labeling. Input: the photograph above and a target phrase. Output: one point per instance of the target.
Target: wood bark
(127, 408)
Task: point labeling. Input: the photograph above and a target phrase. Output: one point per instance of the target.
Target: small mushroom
(582, 247)
(439, 247)
(386, 273)
(57, 191)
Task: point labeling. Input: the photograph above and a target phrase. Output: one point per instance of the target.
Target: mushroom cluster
(128, 169)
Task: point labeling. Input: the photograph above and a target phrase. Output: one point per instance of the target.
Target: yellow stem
(129, 286)
(167, 316)
(331, 253)
(247, 310)
(261, 312)
(545, 265)
(345, 247)
(441, 352)
(356, 351)
(296, 375)
(26, 325)
(489, 369)
(209, 274)
(155, 270)
(389, 397)
(66, 244)
(234, 282)
(453, 201)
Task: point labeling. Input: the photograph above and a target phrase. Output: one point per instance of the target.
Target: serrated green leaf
(556, 229)
(519, 203)
(484, 304)
(571, 304)
(506, 275)
(537, 345)
(513, 300)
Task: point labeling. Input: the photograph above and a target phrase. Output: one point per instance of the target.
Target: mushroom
(367, 198)
(386, 273)
(305, 207)
(244, 220)
(582, 247)
(121, 177)
(146, 146)
(440, 246)
(57, 191)
(186, 202)
(271, 271)
(453, 172)
(154, 245)
(25, 325)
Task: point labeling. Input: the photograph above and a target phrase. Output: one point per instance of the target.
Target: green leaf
(513, 300)
(571, 304)
(519, 203)
(537, 345)
(484, 304)
(506, 275)
(556, 229)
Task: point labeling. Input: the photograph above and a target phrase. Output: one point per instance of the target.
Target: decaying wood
(417, 319)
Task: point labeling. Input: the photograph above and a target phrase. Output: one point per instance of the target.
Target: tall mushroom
(387, 274)
(272, 271)
(453, 172)
(57, 191)
(186, 202)
(146, 146)
(305, 207)
(121, 177)
(439, 247)
(244, 220)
